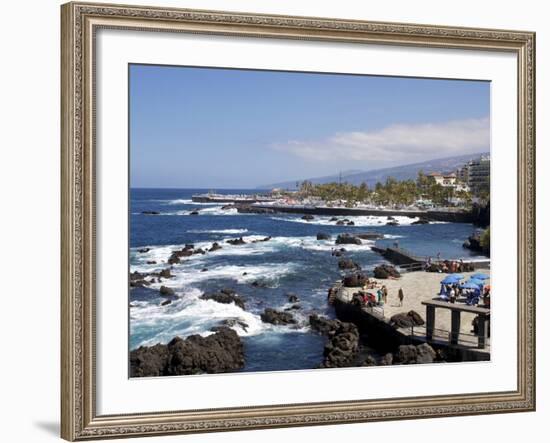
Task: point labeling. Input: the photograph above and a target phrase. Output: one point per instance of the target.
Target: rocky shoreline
(220, 352)
(224, 350)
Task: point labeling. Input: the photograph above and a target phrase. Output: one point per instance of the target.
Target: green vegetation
(392, 192)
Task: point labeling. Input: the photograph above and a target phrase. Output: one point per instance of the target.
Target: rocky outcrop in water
(215, 246)
(165, 291)
(236, 241)
(262, 240)
(343, 341)
(292, 298)
(274, 317)
(150, 212)
(308, 217)
(176, 256)
(355, 280)
(347, 263)
(233, 322)
(323, 236)
(225, 296)
(222, 351)
(344, 239)
(137, 280)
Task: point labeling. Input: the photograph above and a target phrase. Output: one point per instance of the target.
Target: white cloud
(399, 142)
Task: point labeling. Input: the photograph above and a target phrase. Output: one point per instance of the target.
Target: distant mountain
(403, 172)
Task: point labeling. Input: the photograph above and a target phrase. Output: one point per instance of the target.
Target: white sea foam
(218, 231)
(217, 210)
(189, 315)
(267, 272)
(188, 201)
(253, 246)
(360, 221)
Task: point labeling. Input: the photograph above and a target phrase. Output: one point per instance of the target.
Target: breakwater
(229, 198)
(447, 216)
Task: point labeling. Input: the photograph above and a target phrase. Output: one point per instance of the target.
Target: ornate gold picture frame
(80, 22)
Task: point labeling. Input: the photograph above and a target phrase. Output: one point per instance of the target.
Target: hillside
(371, 177)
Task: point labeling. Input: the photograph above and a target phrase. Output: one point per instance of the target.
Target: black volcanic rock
(344, 239)
(277, 317)
(385, 271)
(342, 347)
(224, 297)
(406, 319)
(215, 246)
(411, 354)
(222, 351)
(166, 291)
(150, 212)
(324, 325)
(355, 280)
(236, 241)
(323, 236)
(347, 263)
(292, 298)
(308, 217)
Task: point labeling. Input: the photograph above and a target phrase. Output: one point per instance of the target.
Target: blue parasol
(480, 276)
(469, 285)
(475, 281)
(449, 280)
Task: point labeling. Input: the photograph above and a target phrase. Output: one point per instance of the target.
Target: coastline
(261, 259)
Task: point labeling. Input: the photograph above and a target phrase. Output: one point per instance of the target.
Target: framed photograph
(277, 221)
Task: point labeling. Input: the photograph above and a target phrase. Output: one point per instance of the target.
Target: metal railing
(462, 338)
(377, 311)
(411, 267)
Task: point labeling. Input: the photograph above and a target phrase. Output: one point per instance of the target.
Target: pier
(408, 261)
(448, 326)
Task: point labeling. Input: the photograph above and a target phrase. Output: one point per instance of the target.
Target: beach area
(420, 287)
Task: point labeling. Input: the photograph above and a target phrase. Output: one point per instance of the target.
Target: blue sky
(221, 128)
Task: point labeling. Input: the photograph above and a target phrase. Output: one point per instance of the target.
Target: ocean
(263, 273)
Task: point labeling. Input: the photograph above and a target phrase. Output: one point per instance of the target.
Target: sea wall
(380, 335)
(383, 337)
(449, 216)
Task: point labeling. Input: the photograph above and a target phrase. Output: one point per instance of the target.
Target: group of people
(452, 292)
(380, 297)
(447, 266)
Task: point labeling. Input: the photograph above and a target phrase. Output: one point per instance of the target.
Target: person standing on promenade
(385, 294)
(401, 296)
